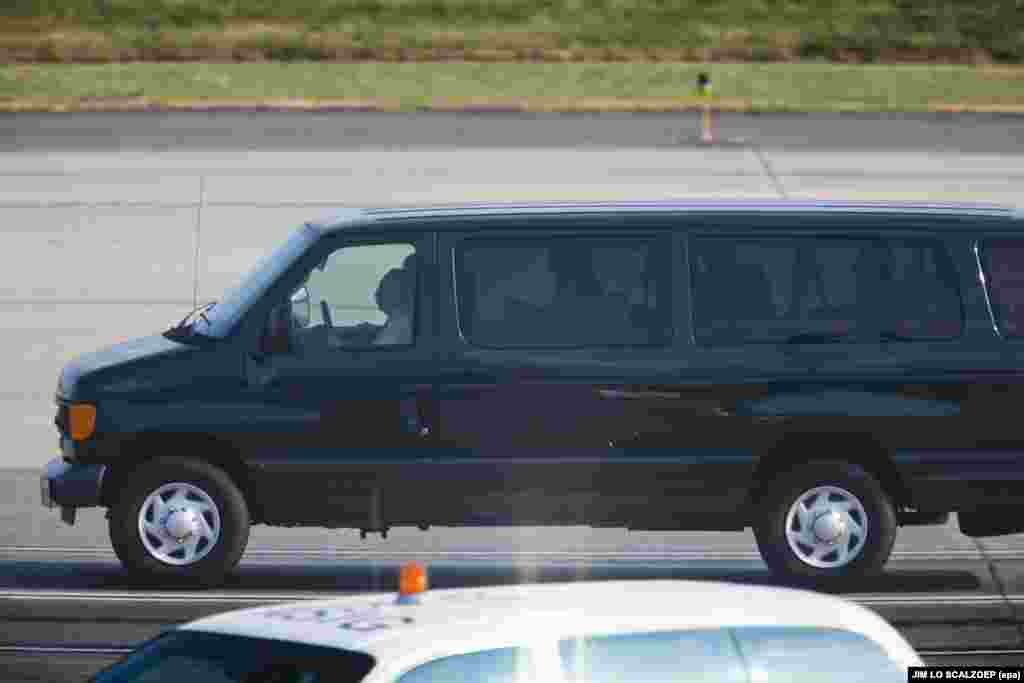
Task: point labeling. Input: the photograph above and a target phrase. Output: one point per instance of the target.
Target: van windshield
(222, 317)
(198, 657)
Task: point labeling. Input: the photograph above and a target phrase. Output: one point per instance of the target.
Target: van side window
(921, 297)
(769, 290)
(360, 296)
(773, 290)
(658, 657)
(1003, 263)
(562, 292)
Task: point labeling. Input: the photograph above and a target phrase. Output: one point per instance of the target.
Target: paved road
(943, 607)
(102, 237)
(99, 242)
(99, 245)
(945, 133)
(938, 604)
(85, 630)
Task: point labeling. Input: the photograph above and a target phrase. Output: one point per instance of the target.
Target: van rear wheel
(178, 518)
(825, 522)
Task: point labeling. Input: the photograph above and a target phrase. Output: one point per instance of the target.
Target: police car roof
(455, 620)
(369, 217)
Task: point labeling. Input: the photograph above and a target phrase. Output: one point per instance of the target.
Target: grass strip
(513, 86)
(810, 27)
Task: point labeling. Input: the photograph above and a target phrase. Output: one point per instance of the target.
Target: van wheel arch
(854, 449)
(140, 449)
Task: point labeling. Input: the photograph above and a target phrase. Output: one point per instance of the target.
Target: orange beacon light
(411, 582)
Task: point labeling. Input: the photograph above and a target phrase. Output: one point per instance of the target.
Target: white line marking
(921, 599)
(951, 554)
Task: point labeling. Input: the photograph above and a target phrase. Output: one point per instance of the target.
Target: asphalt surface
(959, 133)
(111, 224)
(950, 610)
(101, 243)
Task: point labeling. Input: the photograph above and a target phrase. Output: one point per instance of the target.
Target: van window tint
(822, 289)
(921, 293)
(661, 657)
(1003, 261)
(779, 653)
(562, 292)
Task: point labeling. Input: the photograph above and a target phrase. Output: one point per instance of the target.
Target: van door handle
(425, 409)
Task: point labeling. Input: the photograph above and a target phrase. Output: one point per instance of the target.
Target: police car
(597, 632)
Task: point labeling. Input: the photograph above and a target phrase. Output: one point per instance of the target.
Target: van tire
(228, 521)
(791, 495)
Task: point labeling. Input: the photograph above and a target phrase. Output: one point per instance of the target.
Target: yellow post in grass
(704, 92)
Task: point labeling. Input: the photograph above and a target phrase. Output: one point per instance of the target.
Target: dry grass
(509, 86)
(762, 30)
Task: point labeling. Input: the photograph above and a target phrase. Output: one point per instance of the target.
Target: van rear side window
(921, 294)
(563, 292)
(773, 290)
(1003, 263)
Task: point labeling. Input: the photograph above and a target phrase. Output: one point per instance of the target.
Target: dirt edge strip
(583, 105)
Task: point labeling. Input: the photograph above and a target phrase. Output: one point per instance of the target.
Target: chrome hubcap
(179, 524)
(827, 527)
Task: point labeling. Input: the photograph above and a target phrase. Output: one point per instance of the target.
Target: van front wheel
(178, 518)
(824, 522)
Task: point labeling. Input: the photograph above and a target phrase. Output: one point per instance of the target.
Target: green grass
(808, 28)
(544, 86)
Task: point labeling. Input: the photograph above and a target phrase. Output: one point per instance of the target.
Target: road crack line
(994, 573)
(768, 170)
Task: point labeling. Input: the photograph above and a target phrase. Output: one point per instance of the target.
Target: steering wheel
(325, 311)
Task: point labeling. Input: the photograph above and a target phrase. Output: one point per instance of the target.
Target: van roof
(357, 218)
(456, 619)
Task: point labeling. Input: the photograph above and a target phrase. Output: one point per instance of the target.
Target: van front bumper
(69, 486)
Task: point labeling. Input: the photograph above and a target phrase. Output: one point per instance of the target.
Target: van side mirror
(302, 311)
(276, 337)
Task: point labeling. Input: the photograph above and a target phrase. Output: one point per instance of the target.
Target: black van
(821, 372)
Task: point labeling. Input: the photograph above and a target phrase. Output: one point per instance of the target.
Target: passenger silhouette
(394, 296)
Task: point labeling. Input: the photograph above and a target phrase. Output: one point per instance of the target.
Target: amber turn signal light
(82, 421)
